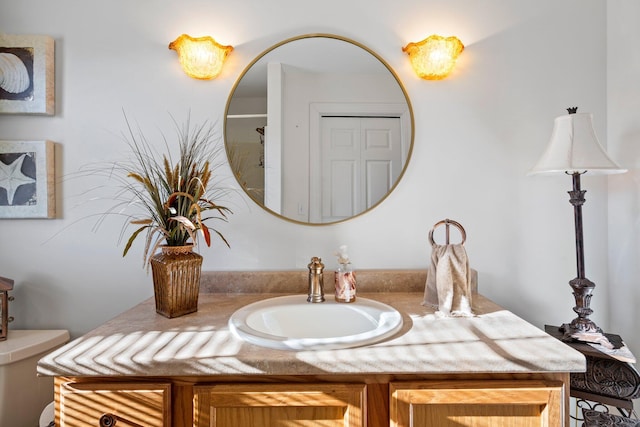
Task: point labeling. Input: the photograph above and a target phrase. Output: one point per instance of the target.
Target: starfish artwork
(12, 177)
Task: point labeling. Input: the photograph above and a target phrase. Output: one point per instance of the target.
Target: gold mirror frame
(231, 155)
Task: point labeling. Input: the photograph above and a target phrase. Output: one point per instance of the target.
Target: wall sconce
(434, 57)
(200, 57)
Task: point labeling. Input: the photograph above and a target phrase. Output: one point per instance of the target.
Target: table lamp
(574, 149)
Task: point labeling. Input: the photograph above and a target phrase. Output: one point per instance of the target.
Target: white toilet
(23, 394)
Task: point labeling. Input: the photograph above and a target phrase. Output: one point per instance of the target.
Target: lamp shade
(574, 147)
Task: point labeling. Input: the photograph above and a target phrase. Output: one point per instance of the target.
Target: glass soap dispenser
(345, 277)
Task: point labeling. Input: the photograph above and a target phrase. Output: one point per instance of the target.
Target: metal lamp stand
(582, 287)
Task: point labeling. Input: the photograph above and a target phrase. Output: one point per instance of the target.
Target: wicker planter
(176, 280)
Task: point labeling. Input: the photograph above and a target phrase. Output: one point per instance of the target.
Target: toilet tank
(23, 394)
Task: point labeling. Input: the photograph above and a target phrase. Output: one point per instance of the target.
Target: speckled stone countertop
(140, 342)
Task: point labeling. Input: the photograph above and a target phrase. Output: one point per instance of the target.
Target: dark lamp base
(579, 325)
(582, 292)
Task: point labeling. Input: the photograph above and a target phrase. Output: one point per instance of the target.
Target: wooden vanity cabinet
(106, 404)
(264, 405)
(450, 402)
(477, 404)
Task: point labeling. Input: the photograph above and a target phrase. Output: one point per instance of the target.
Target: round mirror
(318, 129)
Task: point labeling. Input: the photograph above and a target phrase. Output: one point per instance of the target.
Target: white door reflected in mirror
(360, 159)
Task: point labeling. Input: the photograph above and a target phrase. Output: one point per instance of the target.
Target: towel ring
(447, 223)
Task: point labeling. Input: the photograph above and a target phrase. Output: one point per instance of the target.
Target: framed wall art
(27, 74)
(27, 187)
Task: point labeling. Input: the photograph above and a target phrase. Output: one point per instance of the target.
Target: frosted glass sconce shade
(200, 57)
(434, 57)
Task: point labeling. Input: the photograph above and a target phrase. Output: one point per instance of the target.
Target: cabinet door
(121, 404)
(493, 403)
(280, 405)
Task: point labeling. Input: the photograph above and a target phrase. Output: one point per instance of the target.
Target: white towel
(448, 286)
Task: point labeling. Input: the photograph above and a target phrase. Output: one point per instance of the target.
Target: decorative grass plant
(177, 196)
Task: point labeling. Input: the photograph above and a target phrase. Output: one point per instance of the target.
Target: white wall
(477, 134)
(623, 135)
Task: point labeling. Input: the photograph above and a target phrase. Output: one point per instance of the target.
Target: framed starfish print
(27, 187)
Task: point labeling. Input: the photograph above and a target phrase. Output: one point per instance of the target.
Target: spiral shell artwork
(14, 77)
(27, 74)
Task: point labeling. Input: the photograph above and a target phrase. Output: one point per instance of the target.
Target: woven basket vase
(176, 280)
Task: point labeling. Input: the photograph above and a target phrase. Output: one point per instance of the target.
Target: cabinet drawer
(82, 404)
(282, 405)
(477, 404)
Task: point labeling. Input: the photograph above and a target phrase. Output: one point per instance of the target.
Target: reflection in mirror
(318, 129)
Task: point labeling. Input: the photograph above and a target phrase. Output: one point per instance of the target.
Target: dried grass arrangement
(177, 197)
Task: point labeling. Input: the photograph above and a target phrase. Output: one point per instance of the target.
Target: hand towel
(448, 286)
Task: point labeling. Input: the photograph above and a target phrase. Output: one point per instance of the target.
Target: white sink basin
(291, 323)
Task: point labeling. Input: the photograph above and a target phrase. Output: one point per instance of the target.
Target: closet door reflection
(360, 159)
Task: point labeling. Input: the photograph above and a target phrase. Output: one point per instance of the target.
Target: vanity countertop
(140, 342)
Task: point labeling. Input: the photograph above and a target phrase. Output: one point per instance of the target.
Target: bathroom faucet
(316, 283)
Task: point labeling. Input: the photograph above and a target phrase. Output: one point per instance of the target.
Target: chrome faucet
(316, 282)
